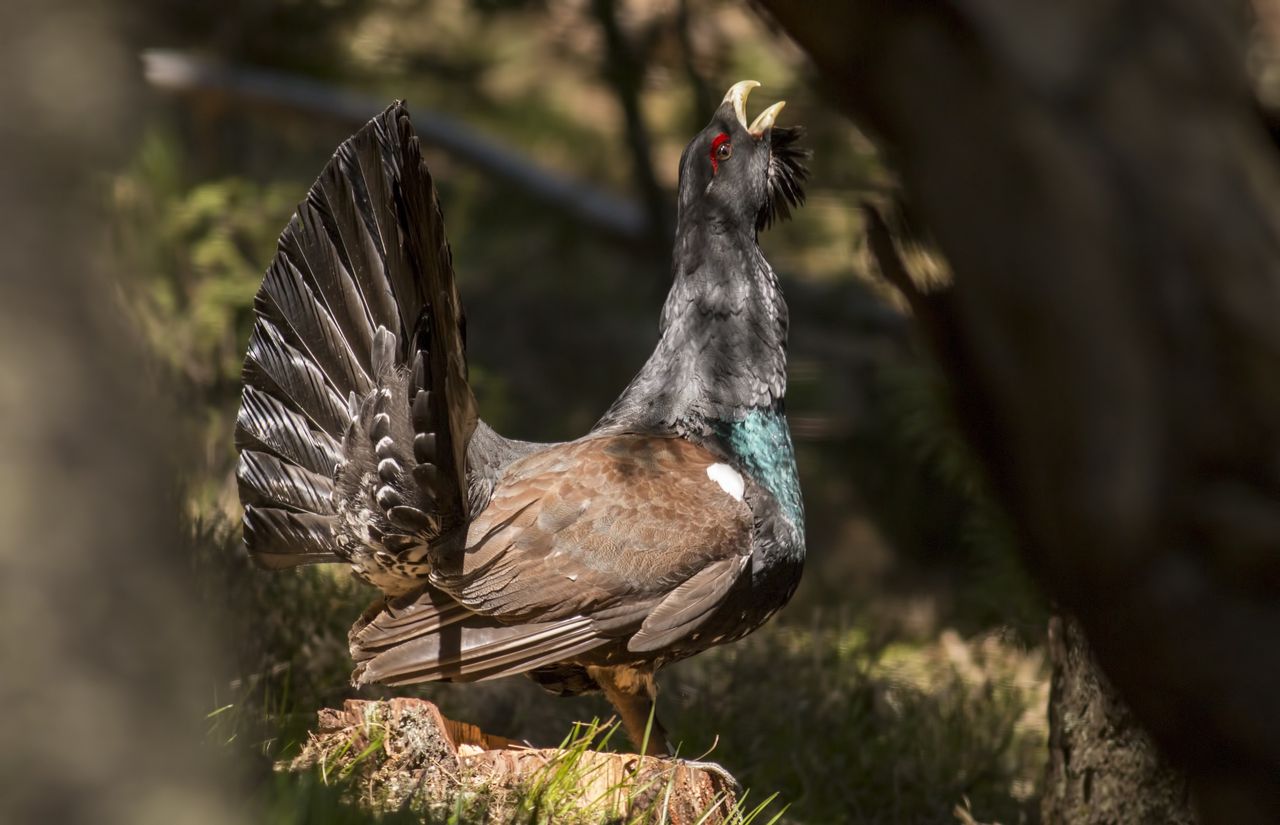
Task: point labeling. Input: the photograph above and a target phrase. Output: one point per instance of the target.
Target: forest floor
(829, 718)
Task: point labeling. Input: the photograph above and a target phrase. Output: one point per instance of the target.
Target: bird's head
(740, 176)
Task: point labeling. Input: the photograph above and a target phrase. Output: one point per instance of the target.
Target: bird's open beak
(737, 96)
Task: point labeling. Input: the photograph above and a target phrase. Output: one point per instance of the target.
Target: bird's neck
(718, 375)
(722, 350)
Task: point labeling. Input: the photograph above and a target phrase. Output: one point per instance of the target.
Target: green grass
(562, 792)
(847, 727)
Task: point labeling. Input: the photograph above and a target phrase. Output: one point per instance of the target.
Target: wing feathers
(477, 649)
(622, 543)
(401, 621)
(688, 606)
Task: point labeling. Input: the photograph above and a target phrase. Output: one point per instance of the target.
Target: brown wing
(581, 544)
(596, 524)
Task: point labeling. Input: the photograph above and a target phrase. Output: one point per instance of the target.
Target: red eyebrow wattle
(715, 144)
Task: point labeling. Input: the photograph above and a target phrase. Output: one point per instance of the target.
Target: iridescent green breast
(762, 443)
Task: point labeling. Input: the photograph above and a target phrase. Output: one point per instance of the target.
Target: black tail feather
(289, 303)
(286, 373)
(358, 316)
(266, 424)
(279, 538)
(440, 360)
(267, 481)
(308, 247)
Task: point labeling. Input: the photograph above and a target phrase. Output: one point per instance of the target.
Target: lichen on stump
(403, 753)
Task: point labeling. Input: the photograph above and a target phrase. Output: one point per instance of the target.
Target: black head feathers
(740, 177)
(787, 175)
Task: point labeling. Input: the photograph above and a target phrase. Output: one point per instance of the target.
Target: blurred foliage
(200, 243)
(911, 718)
(290, 633)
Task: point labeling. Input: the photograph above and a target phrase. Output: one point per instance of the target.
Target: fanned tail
(356, 410)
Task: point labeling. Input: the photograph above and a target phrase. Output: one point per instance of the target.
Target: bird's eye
(721, 149)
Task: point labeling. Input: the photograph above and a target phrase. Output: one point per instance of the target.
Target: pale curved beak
(737, 96)
(764, 120)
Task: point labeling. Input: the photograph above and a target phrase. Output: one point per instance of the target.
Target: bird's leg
(633, 693)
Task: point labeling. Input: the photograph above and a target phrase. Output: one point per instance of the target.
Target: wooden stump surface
(404, 752)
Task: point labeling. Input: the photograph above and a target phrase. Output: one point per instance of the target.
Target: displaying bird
(674, 525)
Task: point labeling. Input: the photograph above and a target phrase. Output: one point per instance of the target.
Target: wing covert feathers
(356, 409)
(622, 542)
(684, 609)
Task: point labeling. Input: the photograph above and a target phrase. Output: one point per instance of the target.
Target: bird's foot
(713, 767)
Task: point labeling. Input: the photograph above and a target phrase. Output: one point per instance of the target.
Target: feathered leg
(633, 693)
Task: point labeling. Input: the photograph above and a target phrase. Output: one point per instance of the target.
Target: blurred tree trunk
(1103, 767)
(1109, 201)
(106, 664)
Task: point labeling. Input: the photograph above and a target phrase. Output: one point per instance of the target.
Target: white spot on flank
(729, 479)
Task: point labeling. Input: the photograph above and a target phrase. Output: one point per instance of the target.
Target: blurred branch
(185, 74)
(1103, 767)
(931, 310)
(703, 98)
(108, 664)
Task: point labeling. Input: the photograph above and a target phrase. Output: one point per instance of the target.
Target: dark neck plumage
(722, 353)
(719, 373)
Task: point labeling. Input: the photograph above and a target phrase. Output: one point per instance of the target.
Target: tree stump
(404, 753)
